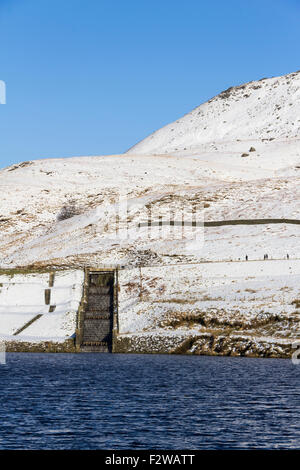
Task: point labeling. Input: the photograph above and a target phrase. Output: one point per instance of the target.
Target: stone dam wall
(227, 308)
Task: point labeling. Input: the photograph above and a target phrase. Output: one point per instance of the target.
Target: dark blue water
(107, 401)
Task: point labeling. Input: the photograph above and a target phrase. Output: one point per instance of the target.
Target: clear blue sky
(92, 77)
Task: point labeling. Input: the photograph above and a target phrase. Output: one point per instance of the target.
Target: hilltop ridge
(267, 109)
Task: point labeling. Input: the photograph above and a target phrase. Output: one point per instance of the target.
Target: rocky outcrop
(208, 344)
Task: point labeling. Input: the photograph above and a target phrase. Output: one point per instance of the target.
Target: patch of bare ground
(270, 323)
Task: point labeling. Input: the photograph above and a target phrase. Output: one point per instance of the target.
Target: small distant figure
(246, 257)
(287, 256)
(264, 256)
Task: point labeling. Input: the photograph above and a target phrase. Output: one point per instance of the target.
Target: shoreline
(201, 344)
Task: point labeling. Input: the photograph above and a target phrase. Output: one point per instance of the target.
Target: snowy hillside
(34, 195)
(235, 158)
(257, 111)
(235, 308)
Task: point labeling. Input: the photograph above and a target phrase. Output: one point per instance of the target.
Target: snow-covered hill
(254, 112)
(33, 197)
(236, 157)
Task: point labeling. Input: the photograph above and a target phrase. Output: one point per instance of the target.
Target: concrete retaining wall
(39, 308)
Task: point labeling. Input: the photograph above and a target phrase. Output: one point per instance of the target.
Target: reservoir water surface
(114, 401)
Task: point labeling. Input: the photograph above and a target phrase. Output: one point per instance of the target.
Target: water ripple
(112, 401)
